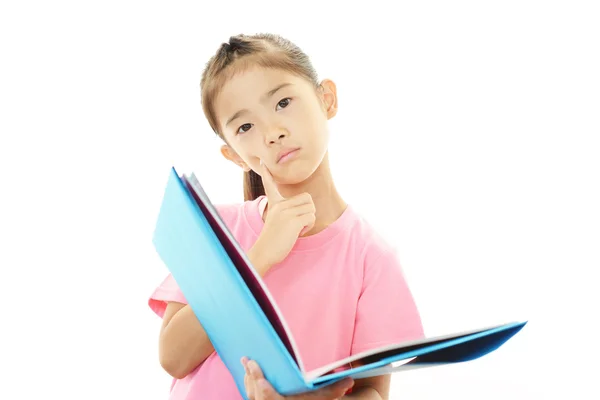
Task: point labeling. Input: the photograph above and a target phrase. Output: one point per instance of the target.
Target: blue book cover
(241, 318)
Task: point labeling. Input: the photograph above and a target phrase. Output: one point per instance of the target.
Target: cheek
(251, 150)
(311, 120)
(317, 128)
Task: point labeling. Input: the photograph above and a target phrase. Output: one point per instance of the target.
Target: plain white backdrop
(467, 133)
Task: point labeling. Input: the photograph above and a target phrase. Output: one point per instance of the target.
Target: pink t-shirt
(341, 292)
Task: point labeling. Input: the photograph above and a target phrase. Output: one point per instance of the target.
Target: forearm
(184, 344)
(363, 393)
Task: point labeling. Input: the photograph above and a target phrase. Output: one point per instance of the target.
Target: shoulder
(373, 247)
(376, 256)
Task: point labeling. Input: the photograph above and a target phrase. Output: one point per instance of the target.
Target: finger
(303, 209)
(262, 388)
(304, 230)
(303, 198)
(255, 370)
(269, 184)
(266, 391)
(249, 383)
(308, 222)
(335, 390)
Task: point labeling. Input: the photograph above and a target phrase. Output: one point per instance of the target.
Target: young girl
(338, 284)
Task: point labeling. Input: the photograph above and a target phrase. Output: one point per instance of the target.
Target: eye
(244, 128)
(284, 102)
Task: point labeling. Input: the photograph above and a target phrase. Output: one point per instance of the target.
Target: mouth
(286, 155)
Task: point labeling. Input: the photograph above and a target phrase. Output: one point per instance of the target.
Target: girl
(338, 284)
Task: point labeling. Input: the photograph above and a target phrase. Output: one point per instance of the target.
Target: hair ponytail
(253, 186)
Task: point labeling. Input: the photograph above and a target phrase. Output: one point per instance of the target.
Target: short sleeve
(166, 292)
(386, 311)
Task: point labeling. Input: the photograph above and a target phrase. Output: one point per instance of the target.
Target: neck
(329, 204)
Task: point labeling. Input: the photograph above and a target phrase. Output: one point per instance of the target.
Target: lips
(285, 153)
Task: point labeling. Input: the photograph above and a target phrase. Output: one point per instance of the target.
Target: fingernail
(245, 363)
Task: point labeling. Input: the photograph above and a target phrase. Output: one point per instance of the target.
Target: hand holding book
(258, 388)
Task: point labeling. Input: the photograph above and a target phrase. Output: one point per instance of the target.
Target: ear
(232, 156)
(329, 97)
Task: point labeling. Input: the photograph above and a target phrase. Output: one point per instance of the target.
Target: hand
(258, 388)
(287, 219)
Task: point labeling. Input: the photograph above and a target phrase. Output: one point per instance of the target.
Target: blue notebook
(241, 318)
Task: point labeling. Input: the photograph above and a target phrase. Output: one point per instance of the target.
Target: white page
(395, 367)
(330, 367)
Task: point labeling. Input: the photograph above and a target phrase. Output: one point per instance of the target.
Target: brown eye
(244, 128)
(284, 103)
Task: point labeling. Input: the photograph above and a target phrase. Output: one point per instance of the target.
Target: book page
(247, 271)
(403, 365)
(374, 355)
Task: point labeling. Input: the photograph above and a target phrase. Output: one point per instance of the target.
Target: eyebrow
(267, 95)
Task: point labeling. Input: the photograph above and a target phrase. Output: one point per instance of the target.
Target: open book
(241, 318)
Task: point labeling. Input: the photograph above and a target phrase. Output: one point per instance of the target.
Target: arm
(366, 393)
(183, 343)
(373, 388)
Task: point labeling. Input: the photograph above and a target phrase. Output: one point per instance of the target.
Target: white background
(467, 133)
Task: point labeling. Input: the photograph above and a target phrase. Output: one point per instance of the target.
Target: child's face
(259, 124)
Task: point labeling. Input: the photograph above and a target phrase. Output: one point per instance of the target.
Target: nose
(275, 135)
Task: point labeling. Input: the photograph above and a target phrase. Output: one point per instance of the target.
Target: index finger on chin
(269, 184)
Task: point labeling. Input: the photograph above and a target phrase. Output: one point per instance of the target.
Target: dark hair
(242, 51)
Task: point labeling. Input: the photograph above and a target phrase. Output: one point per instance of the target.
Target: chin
(298, 172)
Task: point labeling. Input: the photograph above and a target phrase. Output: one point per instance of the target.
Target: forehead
(247, 88)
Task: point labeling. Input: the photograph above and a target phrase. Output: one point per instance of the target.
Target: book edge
(321, 371)
(194, 182)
